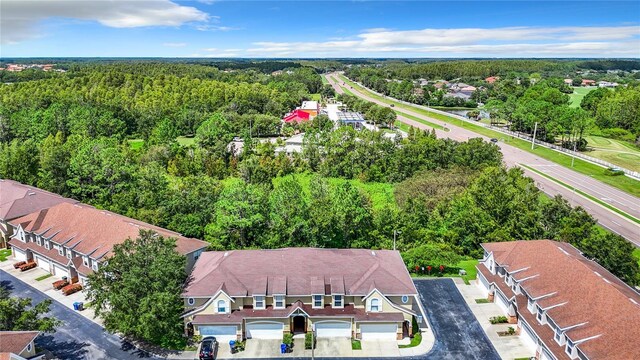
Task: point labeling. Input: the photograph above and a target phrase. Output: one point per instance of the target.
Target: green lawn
(316, 97)
(636, 254)
(46, 276)
(186, 140)
(415, 341)
(324, 80)
(617, 152)
(4, 254)
(578, 94)
(623, 183)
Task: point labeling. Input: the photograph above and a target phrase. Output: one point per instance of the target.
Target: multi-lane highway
(515, 157)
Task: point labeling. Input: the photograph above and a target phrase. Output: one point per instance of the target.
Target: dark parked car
(208, 348)
(494, 140)
(392, 105)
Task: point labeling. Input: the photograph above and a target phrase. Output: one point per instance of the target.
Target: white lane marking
(615, 223)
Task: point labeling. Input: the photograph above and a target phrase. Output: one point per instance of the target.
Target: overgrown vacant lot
(617, 152)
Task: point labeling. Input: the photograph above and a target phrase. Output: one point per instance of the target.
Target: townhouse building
(565, 305)
(264, 294)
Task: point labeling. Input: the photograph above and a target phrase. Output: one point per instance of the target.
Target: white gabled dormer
(374, 300)
(20, 234)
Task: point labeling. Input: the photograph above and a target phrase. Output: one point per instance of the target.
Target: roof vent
(607, 281)
(373, 253)
(597, 273)
(31, 193)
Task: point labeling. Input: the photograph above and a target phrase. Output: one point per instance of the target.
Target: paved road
(513, 156)
(78, 338)
(458, 334)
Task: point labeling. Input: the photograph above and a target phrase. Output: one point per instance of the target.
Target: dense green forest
(347, 188)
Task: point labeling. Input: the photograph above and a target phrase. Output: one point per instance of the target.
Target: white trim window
(405, 299)
(317, 301)
(39, 240)
(258, 302)
(47, 245)
(60, 250)
(94, 265)
(569, 348)
(557, 336)
(374, 305)
(191, 301)
(338, 301)
(222, 307)
(69, 254)
(278, 301)
(85, 261)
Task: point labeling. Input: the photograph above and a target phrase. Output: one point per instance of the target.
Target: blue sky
(208, 28)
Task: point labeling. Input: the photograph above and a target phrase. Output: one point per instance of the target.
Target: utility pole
(395, 232)
(533, 141)
(575, 144)
(313, 340)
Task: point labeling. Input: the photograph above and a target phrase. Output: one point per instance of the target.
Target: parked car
(208, 348)
(392, 105)
(494, 140)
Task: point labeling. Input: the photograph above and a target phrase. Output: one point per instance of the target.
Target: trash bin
(232, 346)
(78, 306)
(283, 348)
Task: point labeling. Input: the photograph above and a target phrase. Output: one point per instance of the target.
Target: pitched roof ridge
(365, 276)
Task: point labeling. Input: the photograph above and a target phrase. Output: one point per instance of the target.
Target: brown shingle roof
(586, 292)
(16, 341)
(17, 199)
(307, 271)
(91, 231)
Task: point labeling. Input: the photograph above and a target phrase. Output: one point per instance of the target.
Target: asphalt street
(513, 156)
(458, 335)
(78, 338)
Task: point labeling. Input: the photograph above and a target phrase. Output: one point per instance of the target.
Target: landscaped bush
(613, 172)
(308, 340)
(498, 319)
(287, 339)
(356, 344)
(415, 329)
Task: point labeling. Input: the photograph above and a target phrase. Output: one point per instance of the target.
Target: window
(68, 254)
(540, 315)
(569, 348)
(29, 347)
(61, 250)
(85, 261)
(258, 302)
(278, 301)
(405, 299)
(47, 245)
(222, 307)
(558, 336)
(317, 301)
(39, 240)
(191, 301)
(94, 265)
(338, 301)
(374, 305)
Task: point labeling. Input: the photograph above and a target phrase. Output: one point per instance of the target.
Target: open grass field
(578, 94)
(623, 183)
(136, 143)
(617, 152)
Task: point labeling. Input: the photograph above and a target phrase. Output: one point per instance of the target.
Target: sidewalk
(509, 347)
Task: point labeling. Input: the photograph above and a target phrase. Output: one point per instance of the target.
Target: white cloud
(172, 44)
(505, 42)
(209, 27)
(20, 18)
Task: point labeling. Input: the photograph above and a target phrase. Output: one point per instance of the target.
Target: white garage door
(527, 336)
(60, 271)
(222, 333)
(333, 329)
(19, 255)
(378, 331)
(502, 302)
(42, 263)
(264, 330)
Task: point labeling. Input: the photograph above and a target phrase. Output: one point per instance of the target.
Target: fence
(633, 174)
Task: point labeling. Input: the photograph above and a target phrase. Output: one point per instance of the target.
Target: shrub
(498, 319)
(287, 339)
(415, 329)
(613, 172)
(308, 339)
(511, 330)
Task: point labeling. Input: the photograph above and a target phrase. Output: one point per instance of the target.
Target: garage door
(502, 302)
(42, 263)
(19, 255)
(60, 271)
(264, 330)
(222, 333)
(379, 331)
(527, 336)
(333, 329)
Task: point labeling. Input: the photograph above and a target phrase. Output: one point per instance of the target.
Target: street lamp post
(395, 233)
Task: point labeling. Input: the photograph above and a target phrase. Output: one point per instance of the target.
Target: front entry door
(299, 324)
